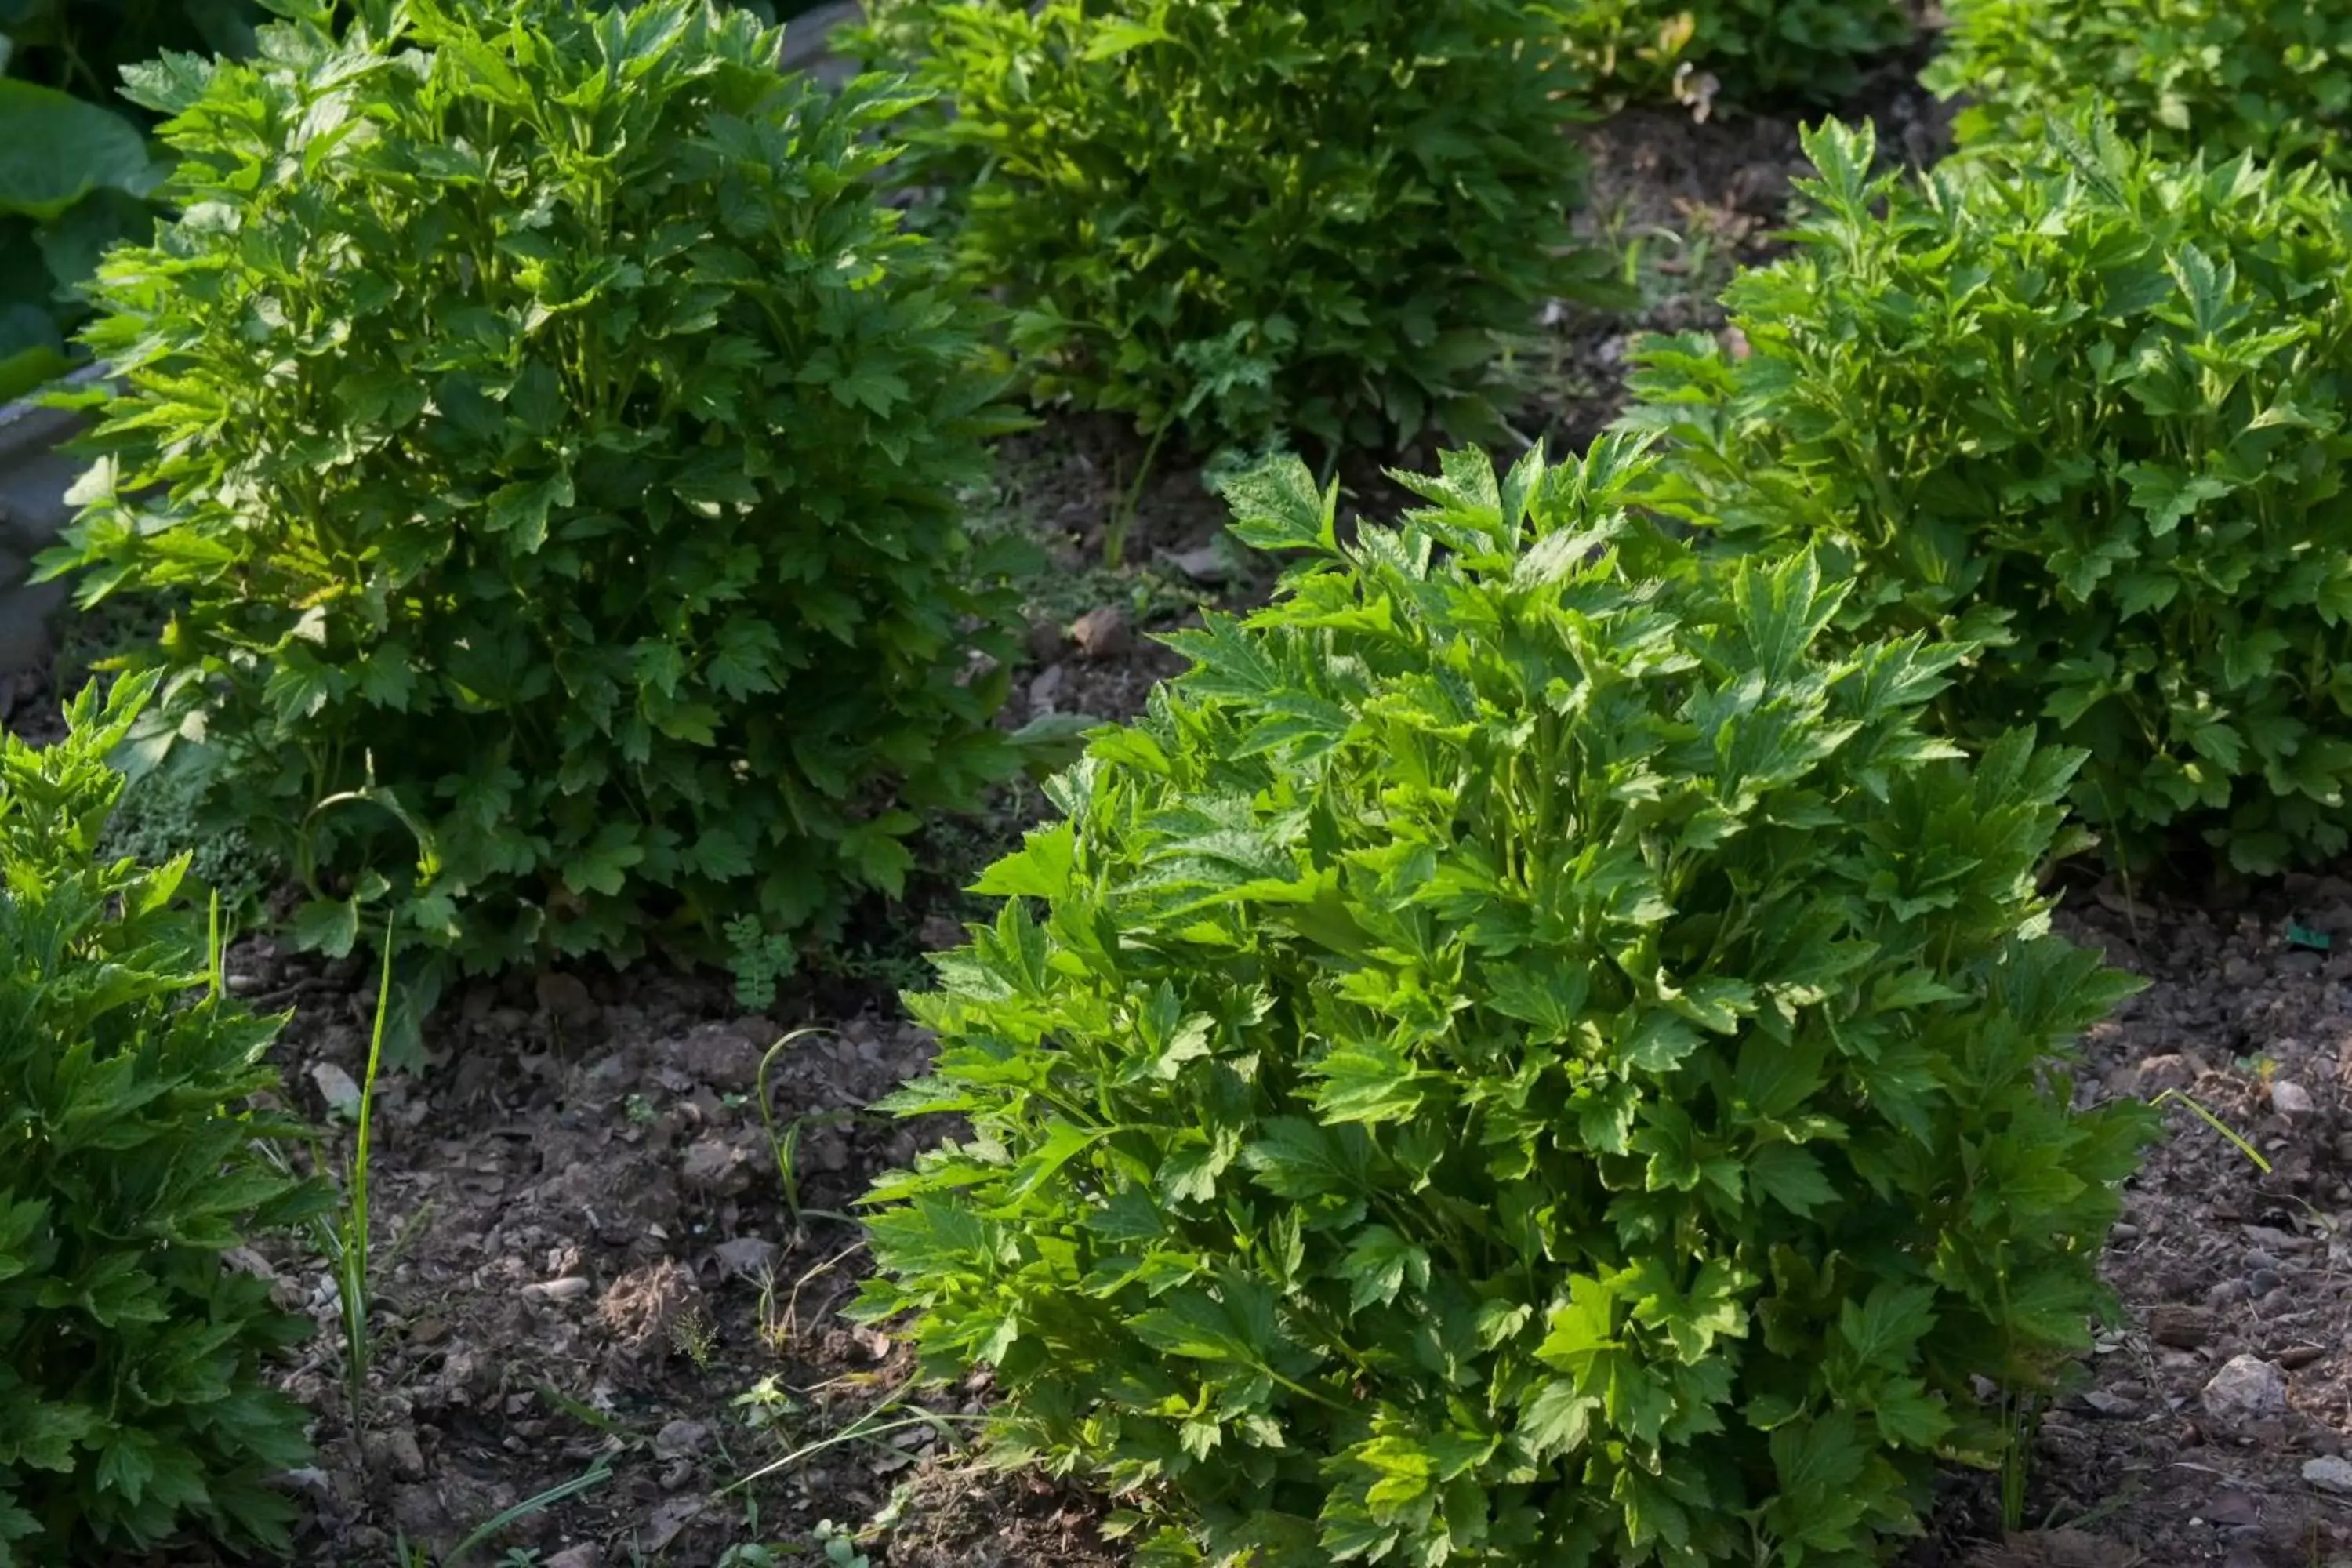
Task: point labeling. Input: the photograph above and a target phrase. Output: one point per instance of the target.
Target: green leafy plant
(131, 1405)
(550, 447)
(2217, 77)
(74, 168)
(757, 958)
(1231, 219)
(1753, 50)
(2089, 407)
(1524, 1055)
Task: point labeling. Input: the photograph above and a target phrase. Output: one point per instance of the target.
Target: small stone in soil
(583, 1555)
(2246, 1389)
(2291, 1098)
(569, 1290)
(2330, 1475)
(336, 1087)
(1101, 634)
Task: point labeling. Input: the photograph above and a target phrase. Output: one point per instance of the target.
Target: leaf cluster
(1756, 50)
(549, 448)
(131, 1405)
(2086, 405)
(74, 167)
(2269, 76)
(1522, 1055)
(1232, 219)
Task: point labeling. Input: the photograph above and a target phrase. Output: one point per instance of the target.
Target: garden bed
(595, 1281)
(588, 1262)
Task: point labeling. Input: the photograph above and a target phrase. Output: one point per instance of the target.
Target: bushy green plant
(2091, 406)
(550, 447)
(130, 1402)
(2217, 77)
(1521, 1057)
(1755, 49)
(1232, 219)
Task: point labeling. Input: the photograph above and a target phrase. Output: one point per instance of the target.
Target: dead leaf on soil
(669, 1519)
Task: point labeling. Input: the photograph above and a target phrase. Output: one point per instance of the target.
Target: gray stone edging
(34, 474)
(808, 34)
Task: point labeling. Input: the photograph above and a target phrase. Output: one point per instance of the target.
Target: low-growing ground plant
(2217, 77)
(548, 447)
(164, 814)
(1749, 50)
(2088, 406)
(1233, 219)
(1528, 1053)
(132, 1403)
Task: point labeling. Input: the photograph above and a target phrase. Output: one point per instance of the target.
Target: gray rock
(2246, 1389)
(2331, 1474)
(336, 1087)
(2290, 1098)
(570, 1288)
